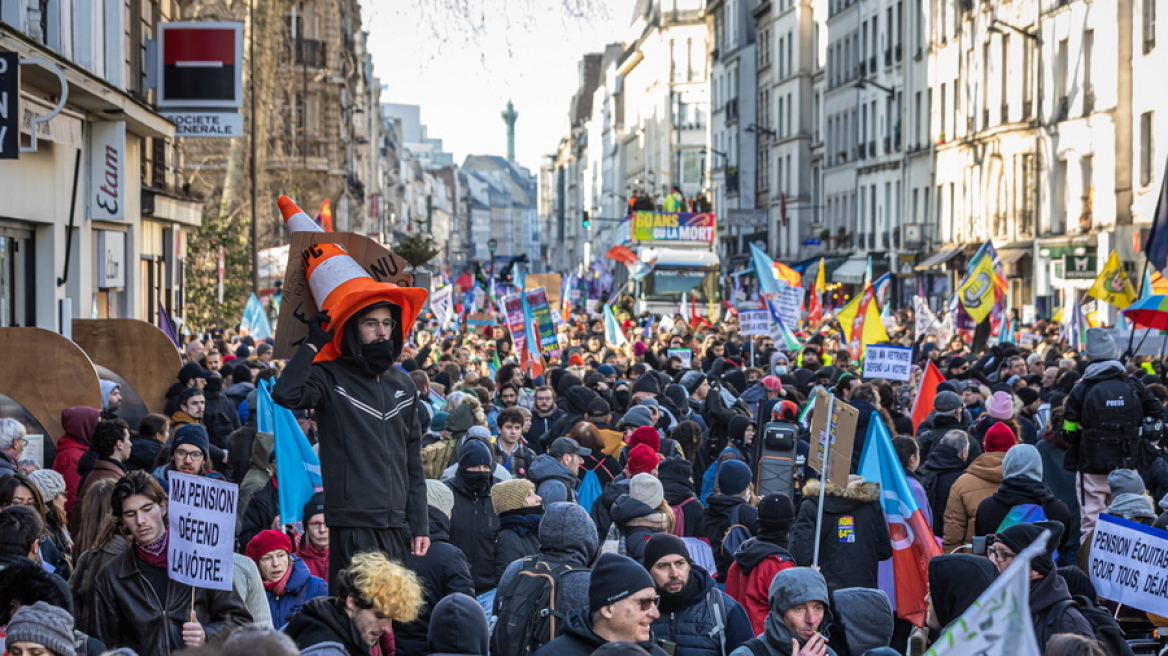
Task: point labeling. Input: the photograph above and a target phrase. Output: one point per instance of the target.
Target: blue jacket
(691, 627)
(301, 587)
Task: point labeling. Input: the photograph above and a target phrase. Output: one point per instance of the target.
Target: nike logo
(398, 394)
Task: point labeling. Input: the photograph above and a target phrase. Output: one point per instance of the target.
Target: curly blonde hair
(376, 582)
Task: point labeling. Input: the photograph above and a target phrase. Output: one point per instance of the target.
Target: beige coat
(980, 480)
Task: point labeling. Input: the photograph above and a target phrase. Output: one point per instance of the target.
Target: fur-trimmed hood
(864, 492)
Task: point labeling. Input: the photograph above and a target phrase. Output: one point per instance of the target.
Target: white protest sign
(789, 306)
(686, 356)
(888, 362)
(754, 322)
(202, 531)
(701, 554)
(441, 304)
(1129, 564)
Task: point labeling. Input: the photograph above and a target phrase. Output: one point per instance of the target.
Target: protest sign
(1028, 339)
(686, 356)
(1129, 564)
(202, 531)
(298, 306)
(999, 621)
(545, 327)
(840, 430)
(754, 322)
(442, 305)
(480, 319)
(789, 305)
(888, 362)
(551, 282)
(513, 315)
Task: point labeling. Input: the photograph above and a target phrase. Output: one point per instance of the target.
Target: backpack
(1112, 407)
(589, 490)
(735, 535)
(757, 647)
(1024, 513)
(1107, 631)
(717, 608)
(528, 617)
(436, 457)
(679, 517)
(614, 541)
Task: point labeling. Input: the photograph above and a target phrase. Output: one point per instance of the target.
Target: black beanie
(1020, 536)
(614, 578)
(661, 545)
(646, 383)
(1078, 582)
(776, 508)
(315, 506)
(474, 454)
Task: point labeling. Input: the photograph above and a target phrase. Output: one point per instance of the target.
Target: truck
(679, 246)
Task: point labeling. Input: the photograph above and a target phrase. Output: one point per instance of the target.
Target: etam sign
(107, 171)
(9, 110)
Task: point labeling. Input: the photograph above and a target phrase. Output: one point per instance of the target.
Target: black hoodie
(576, 400)
(322, 622)
(944, 466)
(443, 571)
(955, 582)
(458, 627)
(676, 477)
(716, 522)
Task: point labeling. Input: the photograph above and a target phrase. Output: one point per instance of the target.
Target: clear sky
(461, 60)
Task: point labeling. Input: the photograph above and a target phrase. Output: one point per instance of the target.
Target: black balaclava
(378, 357)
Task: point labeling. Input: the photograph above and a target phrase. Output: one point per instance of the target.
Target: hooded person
(980, 480)
(1129, 500)
(741, 434)
(442, 571)
(259, 470)
(520, 511)
(621, 607)
(474, 524)
(728, 506)
(458, 627)
(1021, 493)
(365, 408)
(855, 534)
(799, 608)
(642, 460)
(111, 398)
(761, 557)
(945, 465)
(676, 476)
(78, 422)
(955, 582)
(641, 513)
(691, 603)
(866, 618)
(576, 399)
(948, 414)
(555, 473)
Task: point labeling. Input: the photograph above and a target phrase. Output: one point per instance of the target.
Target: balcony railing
(308, 52)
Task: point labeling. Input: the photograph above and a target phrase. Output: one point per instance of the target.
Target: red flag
(324, 216)
(923, 404)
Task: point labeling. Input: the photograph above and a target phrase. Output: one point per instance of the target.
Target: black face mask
(477, 480)
(377, 356)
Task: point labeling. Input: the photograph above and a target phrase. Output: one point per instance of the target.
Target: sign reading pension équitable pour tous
(1129, 564)
(202, 531)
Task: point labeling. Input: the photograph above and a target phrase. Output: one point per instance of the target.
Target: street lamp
(492, 244)
(754, 127)
(999, 27)
(864, 83)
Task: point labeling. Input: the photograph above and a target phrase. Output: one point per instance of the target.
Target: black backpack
(1107, 631)
(1112, 415)
(528, 613)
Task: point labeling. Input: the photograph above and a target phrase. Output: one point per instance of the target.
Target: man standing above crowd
(370, 438)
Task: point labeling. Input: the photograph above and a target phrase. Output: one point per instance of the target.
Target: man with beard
(366, 414)
(696, 617)
(543, 414)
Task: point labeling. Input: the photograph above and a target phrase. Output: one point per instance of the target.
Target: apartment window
(1147, 148)
(1004, 66)
(815, 116)
(790, 111)
(1088, 87)
(780, 57)
(1087, 186)
(790, 53)
(1062, 74)
(943, 114)
(787, 180)
(1149, 25)
(780, 176)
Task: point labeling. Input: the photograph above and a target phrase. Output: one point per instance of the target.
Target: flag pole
(826, 439)
(1131, 336)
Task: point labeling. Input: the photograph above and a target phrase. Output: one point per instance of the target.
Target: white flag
(925, 319)
(440, 305)
(999, 621)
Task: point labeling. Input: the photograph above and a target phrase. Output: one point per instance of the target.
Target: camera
(982, 544)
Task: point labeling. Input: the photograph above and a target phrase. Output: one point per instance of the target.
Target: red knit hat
(999, 438)
(576, 360)
(642, 460)
(267, 541)
(646, 435)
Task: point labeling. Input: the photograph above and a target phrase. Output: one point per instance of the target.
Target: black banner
(9, 105)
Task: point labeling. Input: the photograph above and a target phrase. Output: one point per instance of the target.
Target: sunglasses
(647, 603)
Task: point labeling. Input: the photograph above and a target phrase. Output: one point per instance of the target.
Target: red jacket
(78, 422)
(751, 588)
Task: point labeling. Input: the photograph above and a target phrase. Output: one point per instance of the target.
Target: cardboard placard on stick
(840, 430)
(202, 531)
(549, 281)
(299, 306)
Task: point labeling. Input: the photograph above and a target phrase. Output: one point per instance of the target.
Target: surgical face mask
(781, 370)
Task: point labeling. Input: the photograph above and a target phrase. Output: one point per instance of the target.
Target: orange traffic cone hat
(341, 287)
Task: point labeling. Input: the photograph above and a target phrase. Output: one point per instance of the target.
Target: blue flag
(612, 328)
(297, 466)
(255, 319)
(764, 269)
(1157, 244)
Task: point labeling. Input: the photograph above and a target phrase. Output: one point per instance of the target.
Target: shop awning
(937, 259)
(851, 272)
(1012, 255)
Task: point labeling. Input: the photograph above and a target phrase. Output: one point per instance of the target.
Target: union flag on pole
(913, 543)
(926, 394)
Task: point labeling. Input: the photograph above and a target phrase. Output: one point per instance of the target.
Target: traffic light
(587, 222)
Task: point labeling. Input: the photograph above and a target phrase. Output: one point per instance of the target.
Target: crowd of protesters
(471, 507)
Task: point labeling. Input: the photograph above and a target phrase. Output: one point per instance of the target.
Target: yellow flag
(977, 291)
(871, 328)
(1112, 285)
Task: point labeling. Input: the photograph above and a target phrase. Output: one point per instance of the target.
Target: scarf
(671, 602)
(658, 522)
(1015, 491)
(277, 587)
(522, 520)
(153, 554)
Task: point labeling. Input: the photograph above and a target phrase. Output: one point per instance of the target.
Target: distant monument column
(509, 117)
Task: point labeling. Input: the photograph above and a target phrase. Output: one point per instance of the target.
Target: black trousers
(346, 542)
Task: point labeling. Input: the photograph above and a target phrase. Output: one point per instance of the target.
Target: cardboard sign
(888, 362)
(789, 306)
(480, 319)
(298, 306)
(838, 430)
(686, 356)
(513, 315)
(544, 324)
(1028, 339)
(442, 304)
(552, 282)
(754, 322)
(1129, 564)
(202, 531)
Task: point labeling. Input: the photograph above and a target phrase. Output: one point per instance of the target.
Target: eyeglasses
(647, 602)
(372, 324)
(1002, 555)
(316, 526)
(193, 456)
